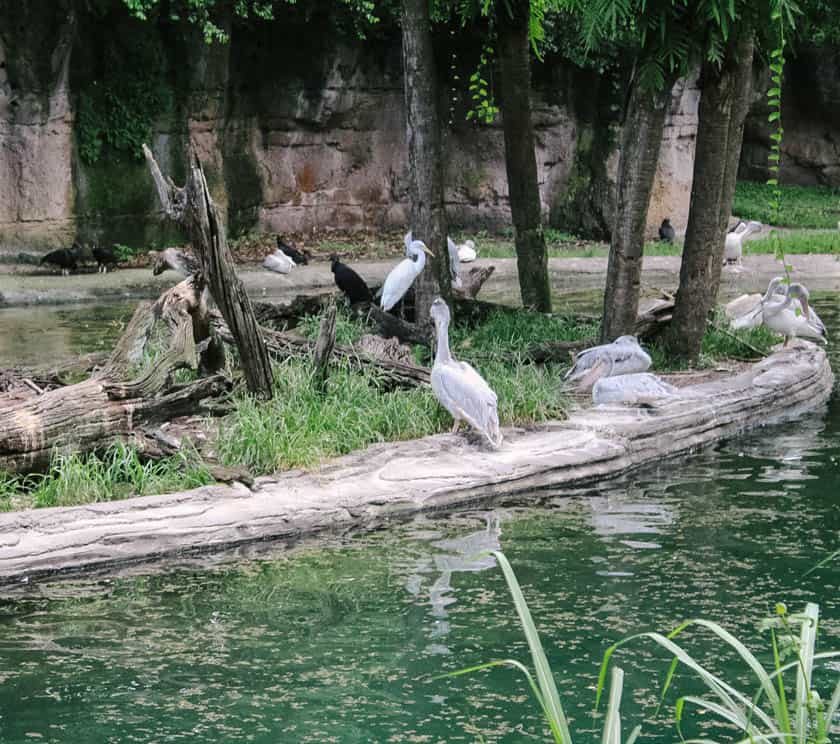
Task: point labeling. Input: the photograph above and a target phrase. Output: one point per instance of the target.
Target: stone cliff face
(298, 129)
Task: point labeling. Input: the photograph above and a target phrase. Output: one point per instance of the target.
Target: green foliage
(484, 109)
(118, 473)
(799, 206)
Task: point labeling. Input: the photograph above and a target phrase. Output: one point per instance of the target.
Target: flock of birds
(733, 247)
(784, 309)
(616, 372)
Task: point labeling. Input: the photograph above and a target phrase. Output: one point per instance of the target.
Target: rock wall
(302, 129)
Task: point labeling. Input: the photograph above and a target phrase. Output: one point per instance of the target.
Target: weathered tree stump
(192, 208)
(113, 402)
(324, 347)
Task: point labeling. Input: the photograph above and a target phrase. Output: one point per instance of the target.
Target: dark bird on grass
(105, 257)
(172, 258)
(299, 257)
(666, 231)
(349, 282)
(67, 259)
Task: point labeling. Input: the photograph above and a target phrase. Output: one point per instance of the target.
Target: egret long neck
(442, 354)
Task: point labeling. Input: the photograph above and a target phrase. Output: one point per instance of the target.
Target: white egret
(459, 388)
(622, 357)
(402, 276)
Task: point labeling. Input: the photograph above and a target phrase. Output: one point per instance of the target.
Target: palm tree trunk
(641, 139)
(425, 162)
(724, 103)
(520, 159)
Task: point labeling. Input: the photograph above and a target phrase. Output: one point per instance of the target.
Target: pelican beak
(806, 308)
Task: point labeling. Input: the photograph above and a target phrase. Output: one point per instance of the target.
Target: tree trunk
(425, 161)
(520, 159)
(192, 208)
(641, 138)
(724, 103)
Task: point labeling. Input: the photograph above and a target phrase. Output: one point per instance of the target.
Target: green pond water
(340, 639)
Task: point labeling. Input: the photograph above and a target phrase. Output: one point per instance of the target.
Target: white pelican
(402, 276)
(459, 388)
(635, 389)
(783, 317)
(733, 248)
(746, 311)
(278, 262)
(623, 356)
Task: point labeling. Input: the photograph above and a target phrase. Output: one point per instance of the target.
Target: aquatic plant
(774, 712)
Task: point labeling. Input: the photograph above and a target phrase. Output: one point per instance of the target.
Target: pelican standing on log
(402, 276)
(459, 388)
(623, 356)
(784, 318)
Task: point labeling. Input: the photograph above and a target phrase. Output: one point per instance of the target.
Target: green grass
(816, 241)
(117, 474)
(802, 206)
(300, 427)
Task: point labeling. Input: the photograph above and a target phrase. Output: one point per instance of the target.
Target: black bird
(105, 257)
(666, 231)
(299, 257)
(66, 259)
(349, 282)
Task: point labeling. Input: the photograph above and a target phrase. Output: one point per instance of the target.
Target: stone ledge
(400, 479)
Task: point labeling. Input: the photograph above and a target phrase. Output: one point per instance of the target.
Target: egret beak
(428, 252)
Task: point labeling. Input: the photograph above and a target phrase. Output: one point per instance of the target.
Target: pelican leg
(456, 425)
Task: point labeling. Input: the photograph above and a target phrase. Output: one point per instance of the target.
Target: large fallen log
(399, 479)
(116, 400)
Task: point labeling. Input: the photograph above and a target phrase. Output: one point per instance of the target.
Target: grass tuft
(117, 474)
(801, 206)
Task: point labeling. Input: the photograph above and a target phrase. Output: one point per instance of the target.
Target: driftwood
(114, 401)
(390, 326)
(287, 315)
(654, 317)
(472, 281)
(324, 347)
(385, 348)
(192, 208)
(285, 345)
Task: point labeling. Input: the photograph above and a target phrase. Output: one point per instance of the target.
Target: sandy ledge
(399, 479)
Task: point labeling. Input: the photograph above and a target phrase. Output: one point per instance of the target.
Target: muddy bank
(819, 272)
(394, 480)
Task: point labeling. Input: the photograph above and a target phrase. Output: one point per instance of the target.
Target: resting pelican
(278, 262)
(459, 388)
(402, 276)
(746, 311)
(791, 321)
(172, 258)
(622, 357)
(733, 248)
(635, 389)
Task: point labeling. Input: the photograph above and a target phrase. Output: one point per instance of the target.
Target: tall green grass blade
(784, 722)
(807, 641)
(833, 705)
(612, 722)
(557, 718)
(822, 563)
